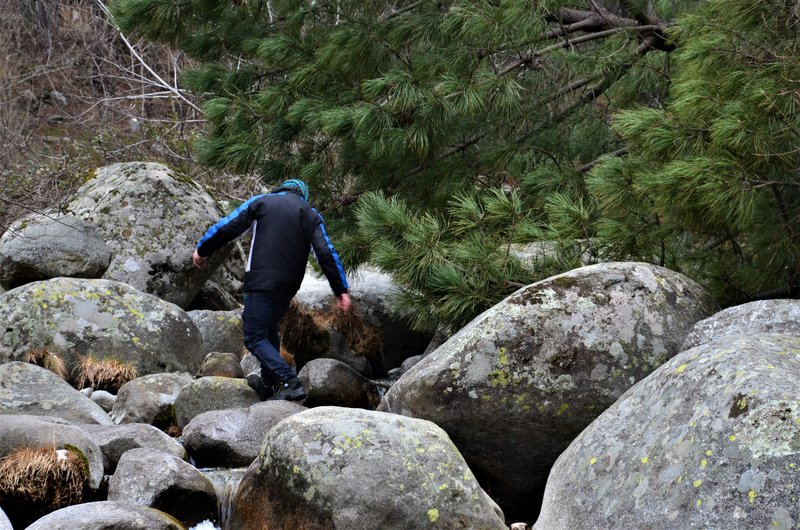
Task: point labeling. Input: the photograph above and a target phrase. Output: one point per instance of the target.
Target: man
(284, 229)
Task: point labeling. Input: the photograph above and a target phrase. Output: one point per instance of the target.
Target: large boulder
(151, 217)
(232, 437)
(222, 365)
(332, 467)
(107, 515)
(30, 389)
(116, 440)
(709, 440)
(39, 247)
(104, 319)
(374, 295)
(149, 399)
(41, 431)
(765, 316)
(516, 385)
(164, 482)
(221, 330)
(212, 393)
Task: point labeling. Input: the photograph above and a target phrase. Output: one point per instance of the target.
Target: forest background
(438, 137)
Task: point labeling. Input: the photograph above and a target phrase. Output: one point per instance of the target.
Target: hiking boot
(257, 384)
(291, 390)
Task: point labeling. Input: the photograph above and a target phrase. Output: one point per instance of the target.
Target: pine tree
(711, 184)
(419, 100)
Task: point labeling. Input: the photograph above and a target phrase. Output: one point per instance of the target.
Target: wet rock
(116, 440)
(765, 316)
(709, 440)
(516, 385)
(149, 399)
(41, 431)
(232, 437)
(221, 330)
(151, 218)
(212, 393)
(164, 482)
(330, 382)
(106, 515)
(39, 247)
(105, 319)
(332, 467)
(221, 365)
(30, 389)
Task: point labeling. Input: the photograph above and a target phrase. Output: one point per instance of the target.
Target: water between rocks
(226, 483)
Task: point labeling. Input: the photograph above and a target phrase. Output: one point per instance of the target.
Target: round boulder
(221, 330)
(151, 218)
(106, 515)
(149, 399)
(764, 316)
(212, 393)
(29, 389)
(515, 386)
(232, 437)
(164, 482)
(332, 467)
(221, 365)
(331, 382)
(39, 247)
(709, 440)
(105, 319)
(115, 440)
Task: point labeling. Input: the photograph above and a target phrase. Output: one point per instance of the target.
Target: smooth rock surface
(107, 515)
(221, 330)
(149, 399)
(115, 440)
(333, 383)
(212, 393)
(221, 364)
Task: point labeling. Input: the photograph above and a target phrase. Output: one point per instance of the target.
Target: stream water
(226, 483)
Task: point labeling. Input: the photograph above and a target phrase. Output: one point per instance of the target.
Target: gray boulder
(374, 294)
(38, 247)
(221, 330)
(30, 389)
(42, 431)
(151, 218)
(212, 393)
(766, 316)
(232, 437)
(516, 385)
(104, 399)
(332, 467)
(149, 399)
(709, 440)
(104, 319)
(330, 382)
(5, 524)
(222, 365)
(116, 440)
(164, 482)
(106, 515)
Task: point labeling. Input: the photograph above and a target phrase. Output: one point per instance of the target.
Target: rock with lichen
(221, 330)
(151, 218)
(332, 467)
(763, 316)
(515, 386)
(149, 399)
(103, 319)
(709, 440)
(42, 246)
(212, 393)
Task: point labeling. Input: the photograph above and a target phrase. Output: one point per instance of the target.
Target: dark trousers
(261, 319)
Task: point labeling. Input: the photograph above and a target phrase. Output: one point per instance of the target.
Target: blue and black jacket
(285, 228)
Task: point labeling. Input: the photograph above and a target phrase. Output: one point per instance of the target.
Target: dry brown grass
(36, 481)
(362, 338)
(300, 333)
(47, 359)
(103, 374)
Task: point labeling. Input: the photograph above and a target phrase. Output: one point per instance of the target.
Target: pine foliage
(710, 186)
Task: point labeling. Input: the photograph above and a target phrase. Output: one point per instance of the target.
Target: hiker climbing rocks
(284, 229)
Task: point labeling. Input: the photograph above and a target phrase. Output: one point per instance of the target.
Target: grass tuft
(103, 374)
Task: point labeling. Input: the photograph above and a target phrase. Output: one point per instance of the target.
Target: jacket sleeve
(327, 257)
(228, 228)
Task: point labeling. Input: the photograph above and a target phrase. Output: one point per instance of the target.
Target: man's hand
(343, 302)
(199, 261)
